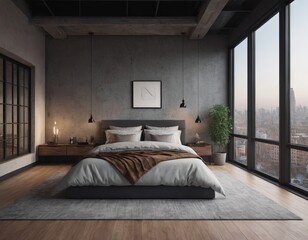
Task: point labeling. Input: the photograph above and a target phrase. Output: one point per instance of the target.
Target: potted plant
(220, 126)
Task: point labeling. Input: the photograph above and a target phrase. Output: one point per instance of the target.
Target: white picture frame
(147, 94)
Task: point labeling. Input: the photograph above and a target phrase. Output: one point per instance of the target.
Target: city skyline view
(267, 110)
(267, 59)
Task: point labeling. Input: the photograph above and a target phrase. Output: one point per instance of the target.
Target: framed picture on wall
(147, 94)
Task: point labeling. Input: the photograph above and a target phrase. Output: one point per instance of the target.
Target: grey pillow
(172, 128)
(137, 128)
(163, 138)
(134, 137)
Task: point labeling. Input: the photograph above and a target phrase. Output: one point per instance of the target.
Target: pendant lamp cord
(91, 73)
(183, 64)
(198, 76)
(132, 63)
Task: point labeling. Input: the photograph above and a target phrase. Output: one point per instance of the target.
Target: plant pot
(219, 158)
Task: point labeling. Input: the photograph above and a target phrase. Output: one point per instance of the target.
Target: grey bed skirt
(139, 192)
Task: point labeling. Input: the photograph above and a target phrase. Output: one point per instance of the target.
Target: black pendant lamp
(198, 119)
(183, 105)
(91, 119)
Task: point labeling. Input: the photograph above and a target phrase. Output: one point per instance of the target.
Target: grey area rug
(242, 203)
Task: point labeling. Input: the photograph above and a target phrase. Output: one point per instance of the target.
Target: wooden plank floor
(22, 183)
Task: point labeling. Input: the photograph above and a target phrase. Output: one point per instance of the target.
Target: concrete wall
(23, 42)
(154, 58)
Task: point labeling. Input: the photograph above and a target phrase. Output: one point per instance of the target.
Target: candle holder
(55, 134)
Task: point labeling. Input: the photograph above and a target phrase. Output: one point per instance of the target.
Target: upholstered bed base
(140, 192)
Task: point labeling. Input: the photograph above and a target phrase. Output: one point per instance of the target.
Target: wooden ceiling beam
(75, 21)
(60, 27)
(55, 32)
(207, 16)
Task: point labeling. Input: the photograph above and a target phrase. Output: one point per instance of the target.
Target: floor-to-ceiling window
(240, 103)
(299, 93)
(276, 141)
(267, 97)
(15, 124)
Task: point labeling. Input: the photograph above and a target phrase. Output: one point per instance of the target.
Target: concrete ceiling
(64, 18)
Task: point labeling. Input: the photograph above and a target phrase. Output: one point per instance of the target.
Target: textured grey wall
(25, 43)
(154, 58)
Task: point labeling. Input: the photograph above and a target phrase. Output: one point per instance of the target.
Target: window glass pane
(9, 131)
(9, 115)
(299, 168)
(21, 145)
(267, 80)
(240, 88)
(26, 144)
(298, 72)
(14, 74)
(15, 126)
(26, 130)
(26, 103)
(240, 150)
(9, 76)
(15, 95)
(21, 96)
(21, 76)
(267, 159)
(21, 115)
(26, 115)
(8, 148)
(9, 95)
(15, 141)
(15, 114)
(21, 130)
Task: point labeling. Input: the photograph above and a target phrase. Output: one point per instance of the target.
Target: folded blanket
(134, 164)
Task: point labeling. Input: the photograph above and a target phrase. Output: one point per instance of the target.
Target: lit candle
(57, 131)
(54, 130)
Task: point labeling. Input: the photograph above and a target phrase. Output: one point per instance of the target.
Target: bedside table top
(198, 144)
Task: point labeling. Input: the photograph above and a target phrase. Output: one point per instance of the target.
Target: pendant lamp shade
(198, 120)
(183, 105)
(91, 119)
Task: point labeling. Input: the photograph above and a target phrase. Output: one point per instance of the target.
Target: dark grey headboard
(129, 123)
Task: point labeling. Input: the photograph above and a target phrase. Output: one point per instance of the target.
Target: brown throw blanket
(134, 164)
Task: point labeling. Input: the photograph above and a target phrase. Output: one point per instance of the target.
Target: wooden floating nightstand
(62, 152)
(202, 149)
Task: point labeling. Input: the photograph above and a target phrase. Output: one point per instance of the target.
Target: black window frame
(284, 142)
(19, 143)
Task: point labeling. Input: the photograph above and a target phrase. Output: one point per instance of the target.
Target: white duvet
(179, 172)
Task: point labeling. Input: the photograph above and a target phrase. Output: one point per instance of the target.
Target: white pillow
(163, 138)
(110, 134)
(137, 128)
(133, 137)
(173, 128)
(177, 134)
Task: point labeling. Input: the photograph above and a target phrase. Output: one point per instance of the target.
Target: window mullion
(284, 69)
(251, 101)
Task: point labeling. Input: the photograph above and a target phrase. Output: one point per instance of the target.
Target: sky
(267, 61)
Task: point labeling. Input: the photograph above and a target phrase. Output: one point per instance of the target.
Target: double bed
(125, 168)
